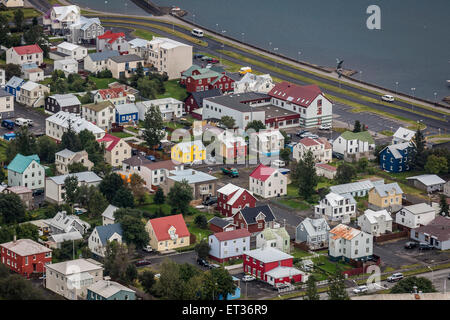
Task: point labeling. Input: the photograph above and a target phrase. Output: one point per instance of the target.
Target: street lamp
(413, 90)
(432, 273)
(396, 87)
(435, 97)
(217, 26)
(360, 75)
(242, 34)
(106, 2)
(193, 18)
(275, 50)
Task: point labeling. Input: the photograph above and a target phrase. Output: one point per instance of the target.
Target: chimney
(15, 239)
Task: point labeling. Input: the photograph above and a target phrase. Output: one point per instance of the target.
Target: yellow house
(168, 233)
(189, 151)
(385, 196)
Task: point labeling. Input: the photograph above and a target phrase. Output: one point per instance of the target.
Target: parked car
(280, 286)
(209, 201)
(248, 278)
(208, 66)
(8, 124)
(214, 266)
(205, 58)
(232, 172)
(325, 127)
(387, 98)
(143, 262)
(79, 210)
(150, 157)
(38, 192)
(299, 133)
(310, 135)
(395, 277)
(448, 276)
(278, 163)
(214, 60)
(198, 56)
(147, 248)
(338, 156)
(211, 159)
(410, 245)
(21, 122)
(360, 289)
(425, 246)
(158, 275)
(202, 262)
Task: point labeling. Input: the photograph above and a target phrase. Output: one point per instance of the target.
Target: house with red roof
(112, 41)
(25, 54)
(308, 101)
(115, 95)
(168, 233)
(231, 199)
(267, 182)
(116, 149)
(229, 245)
(326, 170)
(320, 148)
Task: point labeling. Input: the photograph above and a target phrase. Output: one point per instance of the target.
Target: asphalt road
(21, 111)
(213, 46)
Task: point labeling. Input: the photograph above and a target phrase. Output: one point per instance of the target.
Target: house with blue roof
(396, 157)
(101, 235)
(13, 86)
(109, 290)
(96, 61)
(26, 171)
(126, 113)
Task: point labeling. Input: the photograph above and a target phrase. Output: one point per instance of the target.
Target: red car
(213, 60)
(144, 262)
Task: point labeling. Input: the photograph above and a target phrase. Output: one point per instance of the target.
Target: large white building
(6, 105)
(337, 207)
(348, 243)
(320, 149)
(74, 51)
(375, 222)
(57, 124)
(267, 182)
(68, 66)
(59, 19)
(354, 143)
(415, 215)
(229, 245)
(170, 108)
(26, 171)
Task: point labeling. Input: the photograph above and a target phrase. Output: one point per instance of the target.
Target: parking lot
(20, 111)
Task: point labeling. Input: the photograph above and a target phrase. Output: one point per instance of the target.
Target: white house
(112, 41)
(314, 232)
(54, 186)
(276, 237)
(375, 222)
(153, 173)
(95, 62)
(108, 215)
(170, 108)
(57, 124)
(348, 243)
(337, 207)
(435, 233)
(267, 142)
(101, 235)
(402, 135)
(63, 223)
(64, 158)
(354, 143)
(229, 245)
(68, 66)
(320, 149)
(251, 82)
(6, 105)
(71, 279)
(25, 54)
(85, 30)
(26, 171)
(12, 3)
(74, 51)
(32, 72)
(356, 189)
(56, 240)
(415, 215)
(102, 114)
(267, 182)
(60, 18)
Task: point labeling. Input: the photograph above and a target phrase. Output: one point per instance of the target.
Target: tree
(159, 198)
(407, 285)
(306, 177)
(131, 273)
(202, 248)
(123, 198)
(34, 21)
(147, 280)
(228, 122)
(222, 281)
(285, 155)
(18, 19)
(362, 164)
(336, 289)
(12, 70)
(146, 88)
(27, 231)
(97, 202)
(3, 175)
(137, 187)
(46, 149)
(153, 127)
(287, 138)
(444, 206)
(418, 157)
(68, 250)
(357, 126)
(345, 173)
(180, 195)
(12, 209)
(76, 167)
(110, 185)
(378, 149)
(436, 164)
(201, 221)
(117, 261)
(70, 140)
(170, 286)
(311, 289)
(16, 287)
(71, 188)
(134, 231)
(255, 125)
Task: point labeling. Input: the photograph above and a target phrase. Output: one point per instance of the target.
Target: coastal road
(214, 46)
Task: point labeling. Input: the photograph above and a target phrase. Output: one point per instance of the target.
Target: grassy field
(330, 267)
(27, 12)
(121, 134)
(298, 253)
(295, 204)
(388, 133)
(3, 146)
(230, 66)
(102, 83)
(144, 34)
(173, 90)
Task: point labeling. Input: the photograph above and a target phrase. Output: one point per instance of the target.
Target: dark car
(338, 155)
(8, 124)
(410, 245)
(203, 262)
(38, 192)
(143, 262)
(425, 246)
(134, 152)
(298, 134)
(198, 56)
(210, 201)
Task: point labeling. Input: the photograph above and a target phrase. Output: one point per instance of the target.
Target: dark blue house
(13, 85)
(126, 113)
(396, 157)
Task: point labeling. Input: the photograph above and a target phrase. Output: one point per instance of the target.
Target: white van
(278, 163)
(197, 33)
(21, 122)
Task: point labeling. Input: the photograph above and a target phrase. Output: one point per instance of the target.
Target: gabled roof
(428, 179)
(21, 162)
(112, 93)
(299, 95)
(67, 236)
(99, 106)
(75, 266)
(237, 195)
(31, 85)
(396, 148)
(262, 172)
(268, 254)
(309, 142)
(362, 136)
(219, 222)
(109, 212)
(25, 247)
(384, 189)
(167, 164)
(187, 145)
(78, 124)
(30, 49)
(126, 58)
(126, 108)
(344, 232)
(200, 95)
(137, 161)
(326, 166)
(404, 134)
(250, 214)
(419, 208)
(355, 186)
(104, 55)
(283, 272)
(190, 175)
(111, 37)
(138, 43)
(231, 235)
(107, 231)
(62, 11)
(439, 228)
(86, 176)
(373, 215)
(65, 100)
(15, 82)
(162, 225)
(311, 226)
(228, 189)
(107, 289)
(110, 141)
(334, 198)
(66, 153)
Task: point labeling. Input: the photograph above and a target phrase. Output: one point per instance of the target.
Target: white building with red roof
(321, 149)
(267, 182)
(231, 199)
(326, 170)
(309, 102)
(112, 41)
(116, 95)
(25, 54)
(229, 245)
(116, 149)
(348, 243)
(168, 233)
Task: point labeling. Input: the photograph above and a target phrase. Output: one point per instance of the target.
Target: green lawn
(298, 253)
(102, 83)
(27, 12)
(173, 90)
(295, 204)
(3, 146)
(388, 133)
(121, 134)
(199, 233)
(48, 61)
(330, 267)
(144, 34)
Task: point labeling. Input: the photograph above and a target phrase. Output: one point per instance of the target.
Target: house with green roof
(26, 171)
(276, 237)
(354, 144)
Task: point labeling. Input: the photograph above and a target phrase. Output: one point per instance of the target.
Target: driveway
(21, 111)
(255, 289)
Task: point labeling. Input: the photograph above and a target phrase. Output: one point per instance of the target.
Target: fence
(391, 236)
(148, 151)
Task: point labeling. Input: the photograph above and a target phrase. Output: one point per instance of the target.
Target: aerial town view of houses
(152, 159)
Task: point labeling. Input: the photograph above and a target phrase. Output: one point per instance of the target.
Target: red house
(220, 225)
(271, 265)
(25, 256)
(254, 219)
(231, 199)
(197, 79)
(195, 99)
